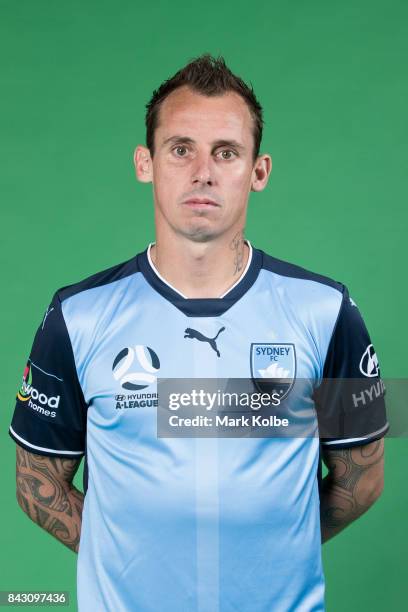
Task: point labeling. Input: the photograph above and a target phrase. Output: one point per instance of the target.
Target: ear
(261, 172)
(143, 164)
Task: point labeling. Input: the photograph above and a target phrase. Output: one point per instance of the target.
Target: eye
(227, 154)
(180, 150)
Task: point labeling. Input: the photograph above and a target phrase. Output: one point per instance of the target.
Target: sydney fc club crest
(273, 367)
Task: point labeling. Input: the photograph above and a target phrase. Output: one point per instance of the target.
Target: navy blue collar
(202, 307)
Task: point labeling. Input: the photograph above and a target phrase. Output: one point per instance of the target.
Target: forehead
(189, 113)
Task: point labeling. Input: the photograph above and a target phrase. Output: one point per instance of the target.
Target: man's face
(203, 168)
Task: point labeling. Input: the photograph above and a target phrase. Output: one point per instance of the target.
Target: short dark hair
(209, 76)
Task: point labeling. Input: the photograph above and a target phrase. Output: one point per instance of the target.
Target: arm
(354, 482)
(46, 494)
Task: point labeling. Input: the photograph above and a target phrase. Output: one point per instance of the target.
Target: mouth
(200, 203)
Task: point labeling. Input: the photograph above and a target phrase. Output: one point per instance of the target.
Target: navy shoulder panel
(105, 277)
(284, 268)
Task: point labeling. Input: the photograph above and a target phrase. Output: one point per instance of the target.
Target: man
(193, 523)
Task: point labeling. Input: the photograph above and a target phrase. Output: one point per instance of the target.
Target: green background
(332, 79)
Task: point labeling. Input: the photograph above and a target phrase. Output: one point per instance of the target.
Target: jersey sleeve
(350, 400)
(50, 412)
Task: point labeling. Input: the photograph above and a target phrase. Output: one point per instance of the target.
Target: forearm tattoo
(351, 486)
(45, 492)
(238, 246)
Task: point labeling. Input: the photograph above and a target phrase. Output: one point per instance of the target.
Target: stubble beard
(195, 233)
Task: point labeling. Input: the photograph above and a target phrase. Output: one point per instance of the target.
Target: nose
(203, 172)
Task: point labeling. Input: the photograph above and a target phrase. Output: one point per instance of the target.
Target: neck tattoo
(238, 246)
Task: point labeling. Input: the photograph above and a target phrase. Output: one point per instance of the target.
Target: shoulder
(99, 280)
(82, 307)
(294, 272)
(314, 298)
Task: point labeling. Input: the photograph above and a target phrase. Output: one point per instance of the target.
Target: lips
(200, 202)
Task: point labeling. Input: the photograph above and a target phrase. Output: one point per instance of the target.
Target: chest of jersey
(149, 340)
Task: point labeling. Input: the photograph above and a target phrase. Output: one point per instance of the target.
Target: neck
(201, 270)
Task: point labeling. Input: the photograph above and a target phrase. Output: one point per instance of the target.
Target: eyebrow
(217, 143)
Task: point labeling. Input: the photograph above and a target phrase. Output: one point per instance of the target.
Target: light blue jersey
(193, 524)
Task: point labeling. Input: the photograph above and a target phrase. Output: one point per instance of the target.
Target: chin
(200, 234)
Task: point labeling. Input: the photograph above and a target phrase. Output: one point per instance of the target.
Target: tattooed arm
(354, 482)
(45, 492)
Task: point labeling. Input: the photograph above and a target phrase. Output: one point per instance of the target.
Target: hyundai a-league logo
(369, 365)
(144, 363)
(273, 367)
